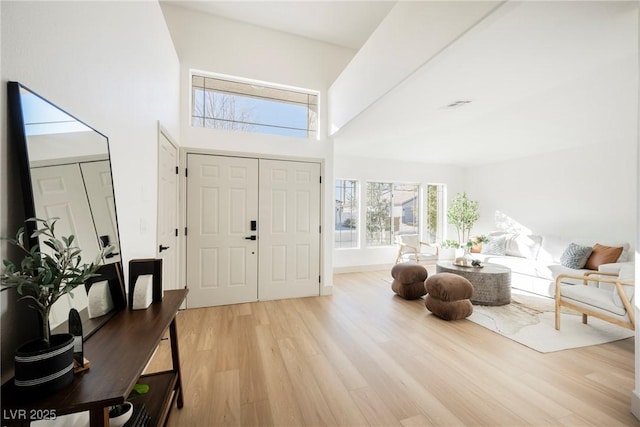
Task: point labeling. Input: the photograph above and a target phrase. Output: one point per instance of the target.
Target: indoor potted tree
(463, 214)
(48, 271)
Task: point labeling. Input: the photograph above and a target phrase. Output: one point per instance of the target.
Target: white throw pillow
(523, 245)
(497, 245)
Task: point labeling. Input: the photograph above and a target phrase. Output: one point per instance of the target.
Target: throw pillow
(575, 256)
(497, 245)
(602, 255)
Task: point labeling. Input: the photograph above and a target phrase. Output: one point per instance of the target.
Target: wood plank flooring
(364, 357)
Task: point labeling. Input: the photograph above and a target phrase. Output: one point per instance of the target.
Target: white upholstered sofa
(535, 261)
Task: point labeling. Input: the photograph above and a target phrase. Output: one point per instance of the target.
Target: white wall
(216, 45)
(587, 192)
(113, 65)
(363, 170)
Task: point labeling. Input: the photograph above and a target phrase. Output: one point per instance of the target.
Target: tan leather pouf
(448, 296)
(408, 280)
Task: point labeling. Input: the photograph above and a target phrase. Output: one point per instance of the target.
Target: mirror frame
(111, 272)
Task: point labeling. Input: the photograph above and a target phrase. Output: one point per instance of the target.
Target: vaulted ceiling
(532, 77)
(343, 23)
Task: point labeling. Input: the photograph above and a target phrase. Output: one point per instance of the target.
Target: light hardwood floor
(363, 356)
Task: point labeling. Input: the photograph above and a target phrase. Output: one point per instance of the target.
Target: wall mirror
(66, 173)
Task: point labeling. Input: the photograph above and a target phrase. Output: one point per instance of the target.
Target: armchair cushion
(592, 297)
(557, 269)
(596, 301)
(410, 249)
(412, 240)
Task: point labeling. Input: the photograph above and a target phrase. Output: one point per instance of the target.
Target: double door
(253, 229)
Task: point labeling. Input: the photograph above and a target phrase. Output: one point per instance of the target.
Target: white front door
(167, 230)
(289, 229)
(222, 202)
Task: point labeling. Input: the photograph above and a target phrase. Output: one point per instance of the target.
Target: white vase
(446, 253)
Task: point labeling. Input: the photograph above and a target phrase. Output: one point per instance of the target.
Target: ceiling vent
(458, 104)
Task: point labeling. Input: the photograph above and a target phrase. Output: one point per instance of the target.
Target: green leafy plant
(463, 214)
(450, 244)
(378, 209)
(46, 274)
(477, 240)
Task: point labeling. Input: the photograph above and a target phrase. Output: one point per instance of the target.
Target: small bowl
(120, 414)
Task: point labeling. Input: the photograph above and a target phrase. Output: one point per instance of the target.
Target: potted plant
(463, 214)
(47, 272)
(448, 249)
(475, 243)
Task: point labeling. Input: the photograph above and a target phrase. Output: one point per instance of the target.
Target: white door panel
(290, 232)
(222, 200)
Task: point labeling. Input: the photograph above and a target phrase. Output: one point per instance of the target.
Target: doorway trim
(178, 264)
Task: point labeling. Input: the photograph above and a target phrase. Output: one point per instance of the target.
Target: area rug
(530, 320)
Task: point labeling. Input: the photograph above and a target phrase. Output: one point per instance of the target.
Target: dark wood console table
(118, 353)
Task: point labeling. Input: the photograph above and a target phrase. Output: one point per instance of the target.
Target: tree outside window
(392, 209)
(378, 213)
(434, 209)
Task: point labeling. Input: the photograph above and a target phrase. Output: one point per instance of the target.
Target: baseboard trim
(635, 404)
(326, 290)
(359, 268)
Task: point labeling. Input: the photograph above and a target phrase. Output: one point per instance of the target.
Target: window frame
(357, 208)
(266, 85)
(392, 231)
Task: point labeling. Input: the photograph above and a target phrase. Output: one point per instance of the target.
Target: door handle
(163, 248)
(251, 238)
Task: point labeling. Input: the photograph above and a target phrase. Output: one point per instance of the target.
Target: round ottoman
(408, 280)
(449, 296)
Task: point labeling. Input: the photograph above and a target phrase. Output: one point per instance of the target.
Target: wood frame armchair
(595, 301)
(410, 249)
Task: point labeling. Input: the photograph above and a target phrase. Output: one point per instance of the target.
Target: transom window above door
(223, 103)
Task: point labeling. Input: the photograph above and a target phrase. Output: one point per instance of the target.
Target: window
(392, 209)
(434, 213)
(237, 106)
(406, 208)
(378, 213)
(346, 215)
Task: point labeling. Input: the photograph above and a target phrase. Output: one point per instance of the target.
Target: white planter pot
(446, 253)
